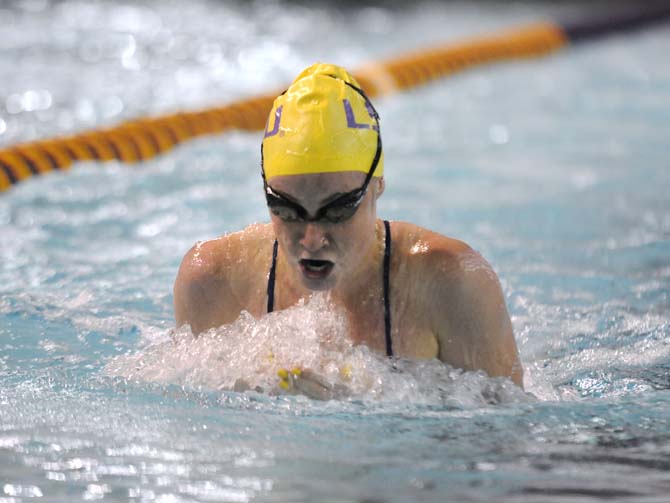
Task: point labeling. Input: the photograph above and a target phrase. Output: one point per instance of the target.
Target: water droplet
(499, 134)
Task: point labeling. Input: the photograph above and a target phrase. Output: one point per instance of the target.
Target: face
(327, 243)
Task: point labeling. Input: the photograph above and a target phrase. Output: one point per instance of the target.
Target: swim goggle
(340, 209)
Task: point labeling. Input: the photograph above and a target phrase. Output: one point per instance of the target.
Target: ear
(379, 187)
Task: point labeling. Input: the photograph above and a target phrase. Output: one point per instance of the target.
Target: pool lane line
(420, 67)
(140, 139)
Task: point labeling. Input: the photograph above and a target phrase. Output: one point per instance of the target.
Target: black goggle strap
(368, 103)
(375, 116)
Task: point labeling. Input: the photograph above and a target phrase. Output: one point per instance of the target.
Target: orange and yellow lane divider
(141, 139)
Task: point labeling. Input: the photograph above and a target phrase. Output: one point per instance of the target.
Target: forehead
(317, 187)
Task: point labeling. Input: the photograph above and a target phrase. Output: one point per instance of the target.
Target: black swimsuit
(387, 289)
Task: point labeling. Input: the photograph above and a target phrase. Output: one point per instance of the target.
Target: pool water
(555, 169)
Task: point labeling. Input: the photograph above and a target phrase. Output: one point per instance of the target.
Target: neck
(364, 280)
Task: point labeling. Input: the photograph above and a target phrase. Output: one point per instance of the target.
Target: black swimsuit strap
(271, 278)
(387, 286)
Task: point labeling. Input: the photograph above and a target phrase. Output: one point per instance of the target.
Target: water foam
(248, 353)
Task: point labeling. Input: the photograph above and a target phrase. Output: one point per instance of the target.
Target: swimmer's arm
(202, 296)
(473, 325)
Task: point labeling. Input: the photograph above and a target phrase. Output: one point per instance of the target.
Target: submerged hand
(305, 382)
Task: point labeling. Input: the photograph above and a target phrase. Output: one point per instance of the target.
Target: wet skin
(446, 301)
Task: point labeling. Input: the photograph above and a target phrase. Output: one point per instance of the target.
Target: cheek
(365, 218)
(281, 230)
(287, 234)
(355, 237)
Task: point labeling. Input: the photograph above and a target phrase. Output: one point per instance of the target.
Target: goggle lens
(338, 211)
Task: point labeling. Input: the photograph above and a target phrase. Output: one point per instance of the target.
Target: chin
(316, 283)
(319, 285)
(317, 275)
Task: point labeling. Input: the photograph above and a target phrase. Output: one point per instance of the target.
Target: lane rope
(140, 139)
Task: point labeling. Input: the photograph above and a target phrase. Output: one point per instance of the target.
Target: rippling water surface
(557, 170)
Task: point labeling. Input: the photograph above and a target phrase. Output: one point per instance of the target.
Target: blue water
(556, 170)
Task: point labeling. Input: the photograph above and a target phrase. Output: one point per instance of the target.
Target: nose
(313, 237)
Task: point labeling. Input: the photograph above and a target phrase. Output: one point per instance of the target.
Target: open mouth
(316, 268)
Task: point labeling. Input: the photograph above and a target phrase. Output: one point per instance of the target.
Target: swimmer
(406, 291)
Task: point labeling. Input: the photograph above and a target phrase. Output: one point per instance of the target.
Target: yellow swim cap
(323, 123)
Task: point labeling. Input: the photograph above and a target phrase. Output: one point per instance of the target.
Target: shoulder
(447, 270)
(462, 299)
(433, 256)
(218, 258)
(215, 276)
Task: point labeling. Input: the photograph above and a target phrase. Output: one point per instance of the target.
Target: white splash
(248, 354)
